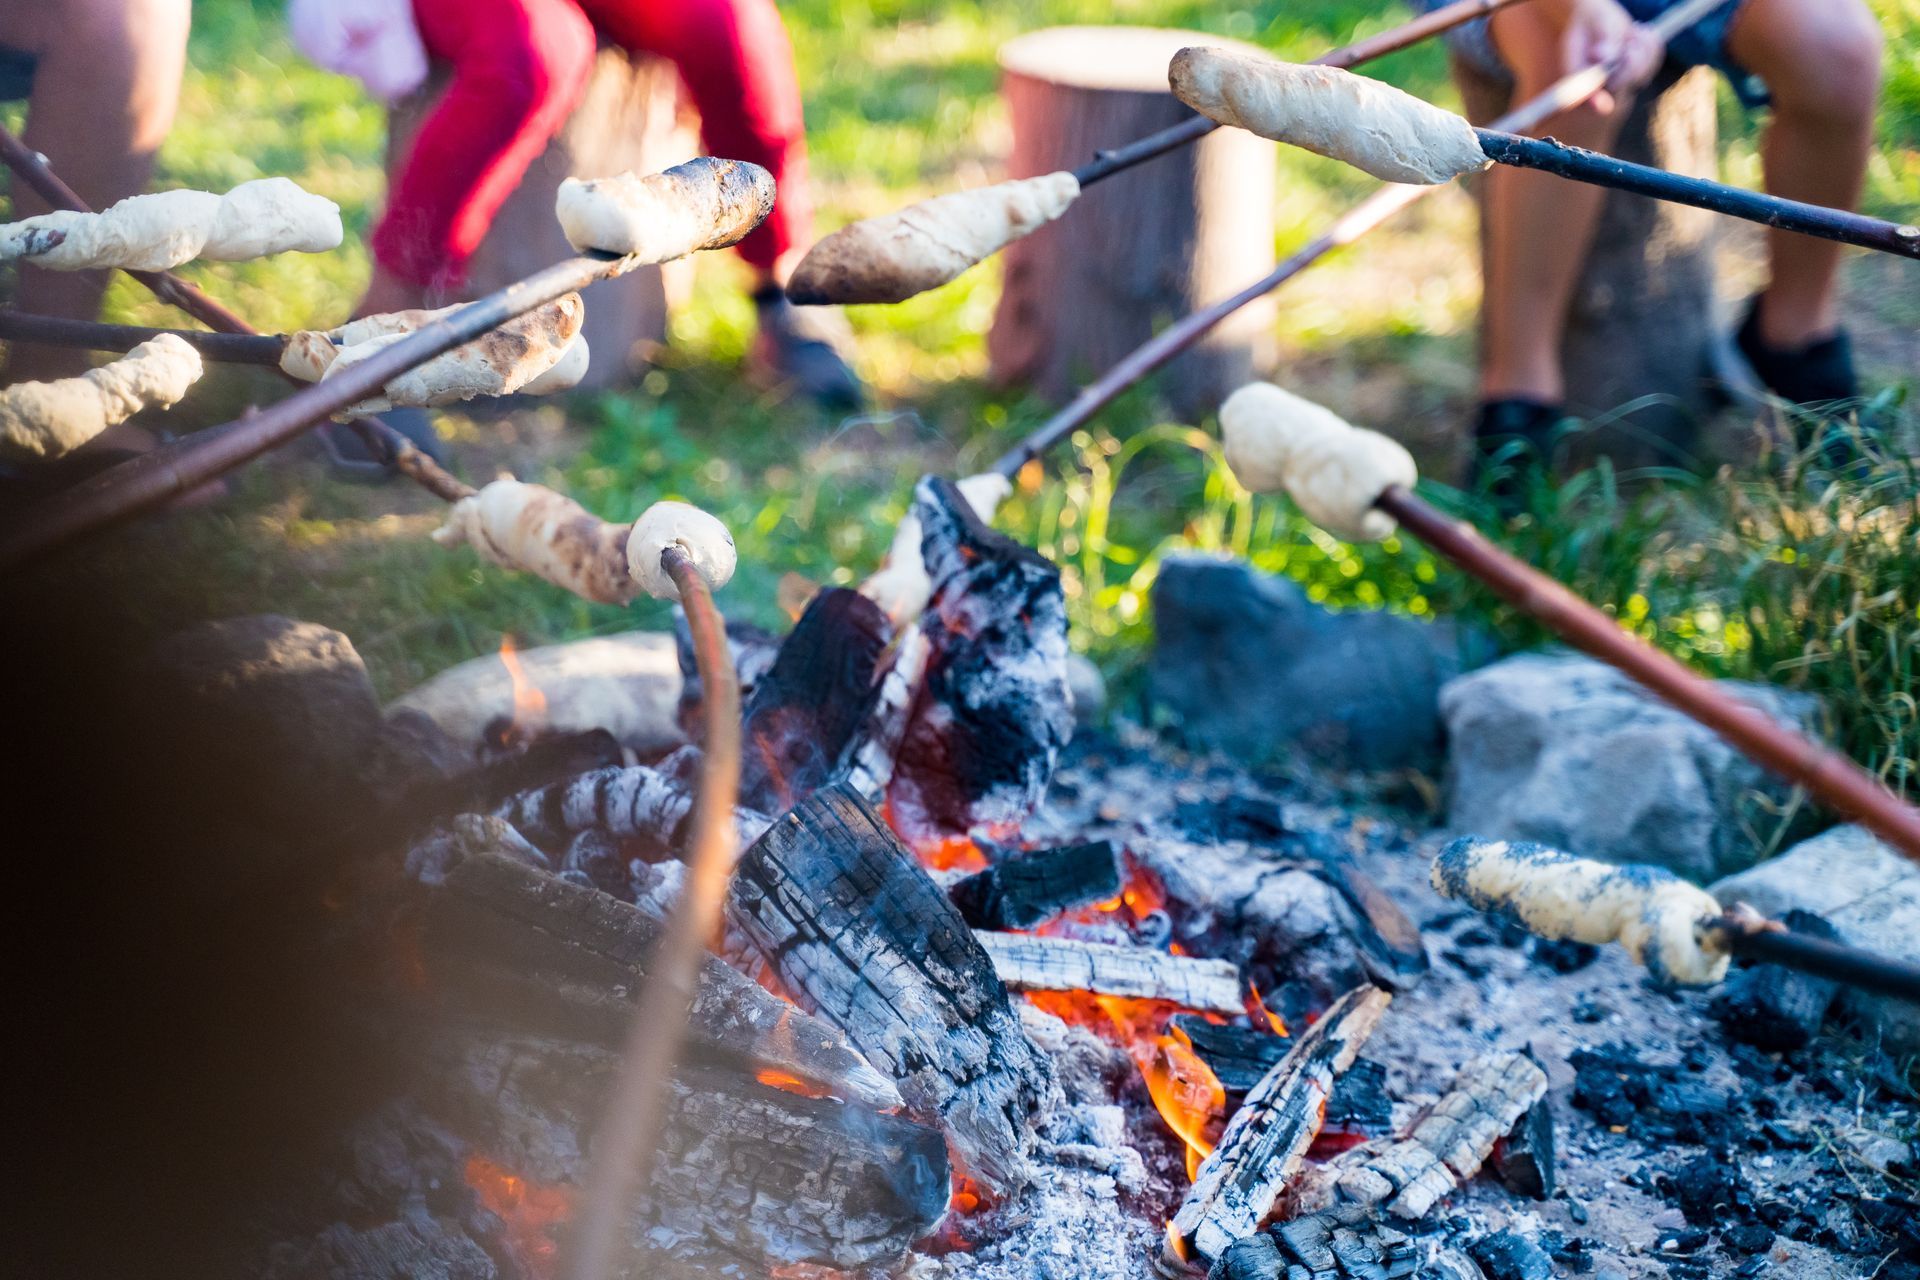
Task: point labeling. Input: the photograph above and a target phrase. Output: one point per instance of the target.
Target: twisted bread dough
(1654, 914)
(531, 528)
(1367, 124)
(923, 246)
(160, 231)
(667, 524)
(1276, 441)
(49, 419)
(901, 586)
(702, 204)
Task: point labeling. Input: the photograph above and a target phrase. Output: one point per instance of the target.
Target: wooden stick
(1107, 163)
(1029, 962)
(624, 1145)
(1569, 91)
(1830, 777)
(1582, 165)
(227, 348)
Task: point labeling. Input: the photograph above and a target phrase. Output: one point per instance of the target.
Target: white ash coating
(160, 231)
(497, 363)
(925, 245)
(657, 217)
(669, 524)
(1278, 442)
(43, 420)
(532, 529)
(901, 586)
(1369, 125)
(1651, 912)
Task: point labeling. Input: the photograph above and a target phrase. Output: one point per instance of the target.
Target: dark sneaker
(1512, 442)
(796, 350)
(349, 454)
(1819, 378)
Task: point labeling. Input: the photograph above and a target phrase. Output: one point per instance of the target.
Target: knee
(1832, 69)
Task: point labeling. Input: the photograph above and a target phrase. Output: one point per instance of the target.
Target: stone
(1867, 891)
(1244, 663)
(627, 684)
(1088, 688)
(1562, 749)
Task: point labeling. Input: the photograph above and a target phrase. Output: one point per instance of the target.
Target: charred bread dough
(497, 363)
(702, 204)
(165, 229)
(530, 528)
(670, 524)
(43, 420)
(1278, 442)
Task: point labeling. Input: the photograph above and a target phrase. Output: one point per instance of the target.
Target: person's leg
(104, 94)
(1820, 60)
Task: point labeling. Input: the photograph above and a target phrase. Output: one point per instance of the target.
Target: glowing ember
(531, 1214)
(529, 704)
(1258, 1013)
(790, 1083)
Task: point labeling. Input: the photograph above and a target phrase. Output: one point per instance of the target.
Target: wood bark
(862, 936)
(1265, 1140)
(1142, 248)
(1642, 323)
(627, 119)
(1029, 888)
(1026, 962)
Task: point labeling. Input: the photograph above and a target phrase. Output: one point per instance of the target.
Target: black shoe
(1512, 443)
(1819, 379)
(349, 454)
(796, 351)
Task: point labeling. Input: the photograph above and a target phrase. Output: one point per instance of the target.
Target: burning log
(993, 710)
(165, 229)
(549, 957)
(753, 651)
(41, 420)
(1239, 1057)
(633, 802)
(1026, 962)
(1263, 1144)
(1028, 888)
(1408, 1176)
(861, 935)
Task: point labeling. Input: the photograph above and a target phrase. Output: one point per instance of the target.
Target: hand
(1600, 32)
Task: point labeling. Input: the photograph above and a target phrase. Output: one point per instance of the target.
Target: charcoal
(1753, 1267)
(1706, 1189)
(1525, 1161)
(1239, 1056)
(1360, 1102)
(1563, 955)
(1509, 1256)
(1389, 943)
(1255, 1258)
(1775, 1008)
(1307, 1240)
(1747, 1237)
(1029, 888)
(1240, 818)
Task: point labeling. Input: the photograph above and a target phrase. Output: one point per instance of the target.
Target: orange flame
(790, 1083)
(529, 704)
(1257, 1011)
(530, 1212)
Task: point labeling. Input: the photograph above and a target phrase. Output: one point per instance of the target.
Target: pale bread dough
(160, 231)
(666, 524)
(1278, 442)
(531, 528)
(42, 420)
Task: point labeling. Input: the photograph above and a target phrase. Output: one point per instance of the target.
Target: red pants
(519, 66)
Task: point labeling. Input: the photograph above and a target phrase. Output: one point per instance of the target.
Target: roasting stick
(624, 1145)
(1395, 136)
(1679, 931)
(1569, 91)
(225, 348)
(896, 256)
(1358, 484)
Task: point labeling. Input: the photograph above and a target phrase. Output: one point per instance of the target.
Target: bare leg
(1538, 227)
(1821, 62)
(104, 94)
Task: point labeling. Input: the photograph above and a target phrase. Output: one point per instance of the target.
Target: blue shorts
(1704, 44)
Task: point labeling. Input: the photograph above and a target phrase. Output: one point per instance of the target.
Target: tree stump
(1144, 247)
(628, 118)
(1643, 325)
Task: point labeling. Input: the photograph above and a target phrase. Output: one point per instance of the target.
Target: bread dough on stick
(42, 420)
(530, 528)
(1277, 442)
(676, 524)
(160, 231)
(1369, 125)
(923, 246)
(566, 372)
(702, 204)
(1654, 914)
(497, 363)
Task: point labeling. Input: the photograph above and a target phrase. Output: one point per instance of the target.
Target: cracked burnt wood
(527, 950)
(1029, 888)
(754, 651)
(993, 709)
(867, 763)
(863, 936)
(807, 707)
(635, 802)
(1260, 1150)
(1239, 1057)
(1388, 942)
(1407, 1176)
(744, 1172)
(1029, 963)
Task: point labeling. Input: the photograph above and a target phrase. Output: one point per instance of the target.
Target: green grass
(1743, 576)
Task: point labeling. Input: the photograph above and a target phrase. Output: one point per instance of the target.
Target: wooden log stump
(628, 118)
(1643, 326)
(1142, 248)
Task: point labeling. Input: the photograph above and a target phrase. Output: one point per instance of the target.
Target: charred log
(1030, 888)
(1408, 1176)
(638, 803)
(1525, 1159)
(869, 759)
(1360, 1102)
(806, 708)
(1343, 1244)
(862, 936)
(754, 651)
(507, 945)
(1026, 962)
(1238, 1056)
(1263, 1144)
(404, 1250)
(993, 710)
(1388, 942)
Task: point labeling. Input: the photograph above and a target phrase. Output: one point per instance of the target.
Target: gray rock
(1088, 689)
(627, 684)
(1867, 891)
(1243, 662)
(1565, 750)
